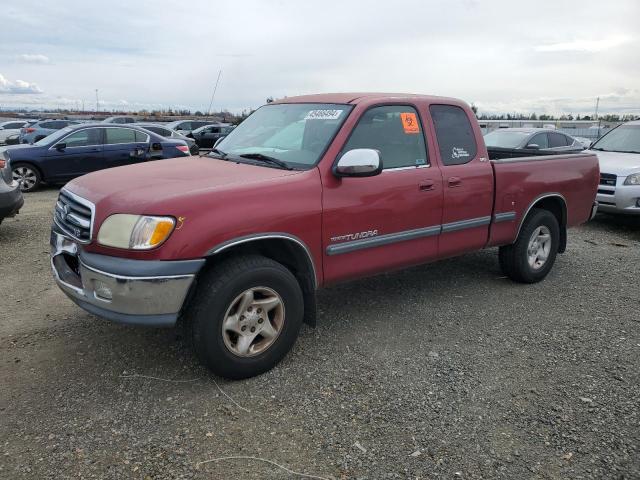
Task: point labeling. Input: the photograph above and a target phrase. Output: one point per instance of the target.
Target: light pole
(214, 93)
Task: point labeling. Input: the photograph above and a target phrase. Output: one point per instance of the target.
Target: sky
(504, 56)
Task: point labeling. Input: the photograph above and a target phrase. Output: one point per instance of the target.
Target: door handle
(426, 186)
(454, 181)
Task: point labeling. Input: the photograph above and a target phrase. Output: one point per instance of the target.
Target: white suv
(619, 155)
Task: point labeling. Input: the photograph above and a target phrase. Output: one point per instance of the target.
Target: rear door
(78, 153)
(467, 179)
(124, 146)
(391, 220)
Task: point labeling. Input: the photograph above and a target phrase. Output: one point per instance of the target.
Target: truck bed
(521, 181)
(499, 153)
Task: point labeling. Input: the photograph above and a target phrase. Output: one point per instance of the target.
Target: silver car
(532, 139)
(619, 155)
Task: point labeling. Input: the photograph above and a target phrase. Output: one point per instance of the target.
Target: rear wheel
(246, 315)
(531, 257)
(27, 176)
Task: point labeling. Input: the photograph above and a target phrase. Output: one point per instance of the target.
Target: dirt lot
(442, 371)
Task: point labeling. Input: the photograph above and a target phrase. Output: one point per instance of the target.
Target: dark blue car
(74, 151)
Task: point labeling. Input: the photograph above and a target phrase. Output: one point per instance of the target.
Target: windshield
(511, 139)
(294, 133)
(625, 138)
(54, 137)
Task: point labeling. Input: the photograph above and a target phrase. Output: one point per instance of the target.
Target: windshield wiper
(266, 159)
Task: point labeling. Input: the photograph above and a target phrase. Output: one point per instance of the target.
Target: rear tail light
(183, 149)
(29, 130)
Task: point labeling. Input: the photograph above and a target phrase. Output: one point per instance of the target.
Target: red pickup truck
(306, 192)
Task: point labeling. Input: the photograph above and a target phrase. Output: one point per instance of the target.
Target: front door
(76, 154)
(371, 224)
(467, 180)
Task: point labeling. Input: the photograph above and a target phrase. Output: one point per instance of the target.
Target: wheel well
(557, 206)
(288, 253)
(29, 164)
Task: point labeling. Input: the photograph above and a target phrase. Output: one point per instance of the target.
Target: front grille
(602, 191)
(608, 179)
(74, 215)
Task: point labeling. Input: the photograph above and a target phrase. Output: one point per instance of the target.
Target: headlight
(633, 179)
(137, 232)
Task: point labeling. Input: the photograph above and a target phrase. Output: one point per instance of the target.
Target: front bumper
(619, 199)
(11, 199)
(136, 292)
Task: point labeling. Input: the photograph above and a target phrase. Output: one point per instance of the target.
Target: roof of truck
(357, 97)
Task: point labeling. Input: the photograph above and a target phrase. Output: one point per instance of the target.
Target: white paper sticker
(323, 115)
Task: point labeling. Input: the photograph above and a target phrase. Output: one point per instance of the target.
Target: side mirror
(533, 146)
(360, 162)
(61, 146)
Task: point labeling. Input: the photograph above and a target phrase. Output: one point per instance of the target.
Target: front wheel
(245, 316)
(27, 176)
(531, 257)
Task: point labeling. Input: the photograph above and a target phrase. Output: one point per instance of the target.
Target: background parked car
(619, 156)
(186, 126)
(532, 139)
(119, 120)
(10, 128)
(208, 135)
(166, 132)
(74, 151)
(13, 139)
(10, 196)
(42, 128)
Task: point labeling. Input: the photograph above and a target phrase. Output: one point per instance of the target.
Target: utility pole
(97, 102)
(214, 93)
(597, 105)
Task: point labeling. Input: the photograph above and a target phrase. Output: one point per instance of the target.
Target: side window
(83, 138)
(14, 125)
(141, 136)
(50, 125)
(215, 130)
(119, 135)
(540, 139)
(129, 120)
(395, 132)
(557, 140)
(454, 134)
(184, 126)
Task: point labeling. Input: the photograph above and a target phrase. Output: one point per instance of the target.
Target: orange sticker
(410, 123)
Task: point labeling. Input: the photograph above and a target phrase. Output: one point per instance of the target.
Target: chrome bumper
(153, 300)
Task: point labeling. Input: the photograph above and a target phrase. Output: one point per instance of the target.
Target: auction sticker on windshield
(323, 115)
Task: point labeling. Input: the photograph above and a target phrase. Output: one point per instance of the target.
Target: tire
(28, 176)
(518, 261)
(220, 294)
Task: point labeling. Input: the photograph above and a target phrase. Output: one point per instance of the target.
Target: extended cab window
(395, 132)
(454, 133)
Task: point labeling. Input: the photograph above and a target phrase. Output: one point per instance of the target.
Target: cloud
(621, 101)
(17, 87)
(585, 45)
(34, 58)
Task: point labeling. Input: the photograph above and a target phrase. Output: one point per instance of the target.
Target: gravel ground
(443, 371)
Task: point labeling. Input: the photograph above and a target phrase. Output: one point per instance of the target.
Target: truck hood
(140, 187)
(616, 163)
